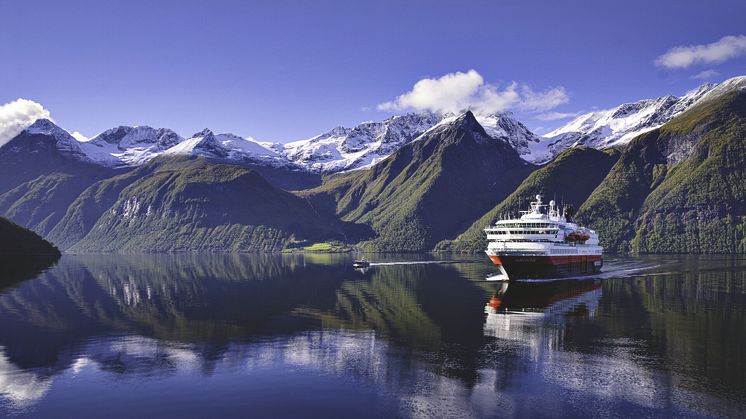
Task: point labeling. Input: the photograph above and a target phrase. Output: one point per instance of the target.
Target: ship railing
(508, 252)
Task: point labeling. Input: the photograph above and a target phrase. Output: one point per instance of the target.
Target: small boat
(361, 263)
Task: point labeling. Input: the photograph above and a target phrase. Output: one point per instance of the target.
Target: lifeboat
(577, 236)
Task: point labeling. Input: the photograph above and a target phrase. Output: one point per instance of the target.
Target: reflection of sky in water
(148, 342)
(21, 388)
(540, 336)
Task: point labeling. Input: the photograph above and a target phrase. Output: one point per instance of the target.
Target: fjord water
(307, 336)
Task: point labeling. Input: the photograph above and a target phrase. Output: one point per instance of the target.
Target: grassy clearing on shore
(322, 247)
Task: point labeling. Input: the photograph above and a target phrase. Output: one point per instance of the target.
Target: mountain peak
(467, 120)
(204, 133)
(44, 134)
(45, 126)
(129, 145)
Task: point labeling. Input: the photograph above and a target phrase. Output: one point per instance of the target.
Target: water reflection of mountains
(196, 306)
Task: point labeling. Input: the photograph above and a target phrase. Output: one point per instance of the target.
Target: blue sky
(285, 70)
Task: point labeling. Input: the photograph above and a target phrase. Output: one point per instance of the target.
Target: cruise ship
(545, 242)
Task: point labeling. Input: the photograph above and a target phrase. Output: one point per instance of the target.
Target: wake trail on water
(615, 269)
(422, 262)
(623, 271)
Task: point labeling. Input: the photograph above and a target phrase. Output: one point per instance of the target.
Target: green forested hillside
(680, 188)
(570, 178)
(91, 204)
(191, 204)
(38, 180)
(430, 190)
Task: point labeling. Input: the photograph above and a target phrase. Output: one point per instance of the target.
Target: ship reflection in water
(517, 307)
(300, 336)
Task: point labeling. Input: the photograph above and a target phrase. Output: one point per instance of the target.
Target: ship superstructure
(545, 242)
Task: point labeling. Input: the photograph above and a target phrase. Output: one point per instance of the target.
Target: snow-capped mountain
(366, 144)
(504, 126)
(361, 146)
(617, 126)
(129, 146)
(728, 86)
(228, 147)
(133, 146)
(337, 150)
(45, 135)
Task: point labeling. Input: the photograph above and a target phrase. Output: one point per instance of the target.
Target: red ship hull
(548, 266)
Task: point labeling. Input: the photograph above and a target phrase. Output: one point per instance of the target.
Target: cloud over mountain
(706, 74)
(18, 115)
(728, 47)
(554, 116)
(454, 92)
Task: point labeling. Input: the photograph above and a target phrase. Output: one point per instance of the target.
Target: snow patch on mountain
(343, 148)
(617, 126)
(504, 126)
(129, 146)
(228, 147)
(732, 84)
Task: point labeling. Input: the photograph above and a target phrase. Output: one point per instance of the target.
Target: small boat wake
(423, 262)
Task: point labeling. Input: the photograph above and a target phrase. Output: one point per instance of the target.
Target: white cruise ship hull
(537, 266)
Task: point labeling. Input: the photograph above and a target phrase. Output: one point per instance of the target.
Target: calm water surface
(307, 336)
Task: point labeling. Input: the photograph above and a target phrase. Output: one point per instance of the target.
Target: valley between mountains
(665, 175)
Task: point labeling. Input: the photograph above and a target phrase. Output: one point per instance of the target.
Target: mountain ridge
(215, 192)
(617, 126)
(358, 147)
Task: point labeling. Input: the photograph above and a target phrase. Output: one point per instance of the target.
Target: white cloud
(707, 74)
(454, 92)
(80, 137)
(17, 116)
(542, 101)
(726, 48)
(553, 116)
